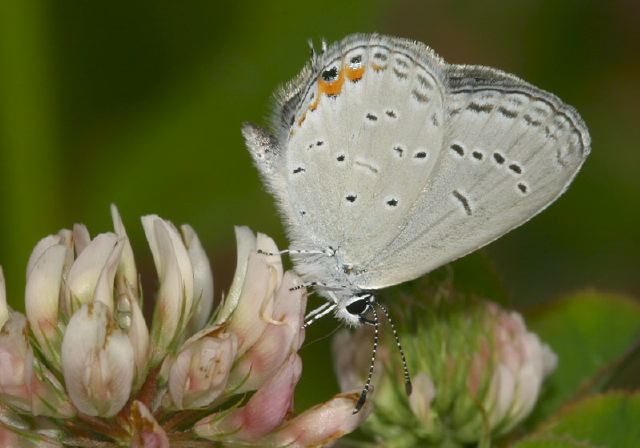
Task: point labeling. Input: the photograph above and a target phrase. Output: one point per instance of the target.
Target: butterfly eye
(358, 307)
(330, 74)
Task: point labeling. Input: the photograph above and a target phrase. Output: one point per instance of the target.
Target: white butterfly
(387, 163)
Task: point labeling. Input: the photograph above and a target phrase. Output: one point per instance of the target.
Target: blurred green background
(140, 103)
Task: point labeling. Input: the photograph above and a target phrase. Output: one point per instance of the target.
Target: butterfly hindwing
(509, 151)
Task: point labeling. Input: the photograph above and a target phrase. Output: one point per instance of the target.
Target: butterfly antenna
(407, 379)
(367, 385)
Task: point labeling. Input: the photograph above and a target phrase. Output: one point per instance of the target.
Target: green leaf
(609, 420)
(589, 331)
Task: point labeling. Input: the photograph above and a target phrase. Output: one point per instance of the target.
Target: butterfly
(387, 162)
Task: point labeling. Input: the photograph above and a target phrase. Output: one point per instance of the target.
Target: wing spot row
(498, 157)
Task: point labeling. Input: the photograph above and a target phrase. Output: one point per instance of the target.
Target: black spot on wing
(330, 74)
(419, 96)
(523, 187)
(507, 112)
(515, 168)
(420, 155)
(457, 149)
(380, 56)
(463, 200)
(480, 108)
(531, 121)
(399, 74)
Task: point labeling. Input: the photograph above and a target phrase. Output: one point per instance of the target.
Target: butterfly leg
(329, 252)
(318, 313)
(307, 285)
(319, 285)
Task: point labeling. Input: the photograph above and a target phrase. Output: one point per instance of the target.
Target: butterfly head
(354, 308)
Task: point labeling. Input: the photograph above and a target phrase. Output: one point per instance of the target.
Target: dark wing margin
(476, 78)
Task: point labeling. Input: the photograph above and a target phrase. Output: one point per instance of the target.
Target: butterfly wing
(510, 149)
(359, 134)
(404, 163)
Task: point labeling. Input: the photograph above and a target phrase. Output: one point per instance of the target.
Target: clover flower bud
(198, 374)
(477, 373)
(93, 374)
(175, 295)
(147, 433)
(202, 280)
(97, 362)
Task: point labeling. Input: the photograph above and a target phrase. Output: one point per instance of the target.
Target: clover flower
(477, 372)
(84, 369)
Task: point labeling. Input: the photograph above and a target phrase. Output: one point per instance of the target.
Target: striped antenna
(365, 389)
(407, 379)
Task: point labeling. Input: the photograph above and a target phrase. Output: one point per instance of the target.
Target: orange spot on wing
(378, 68)
(355, 74)
(302, 118)
(332, 88)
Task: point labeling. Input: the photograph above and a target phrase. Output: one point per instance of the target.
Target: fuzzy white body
(396, 162)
